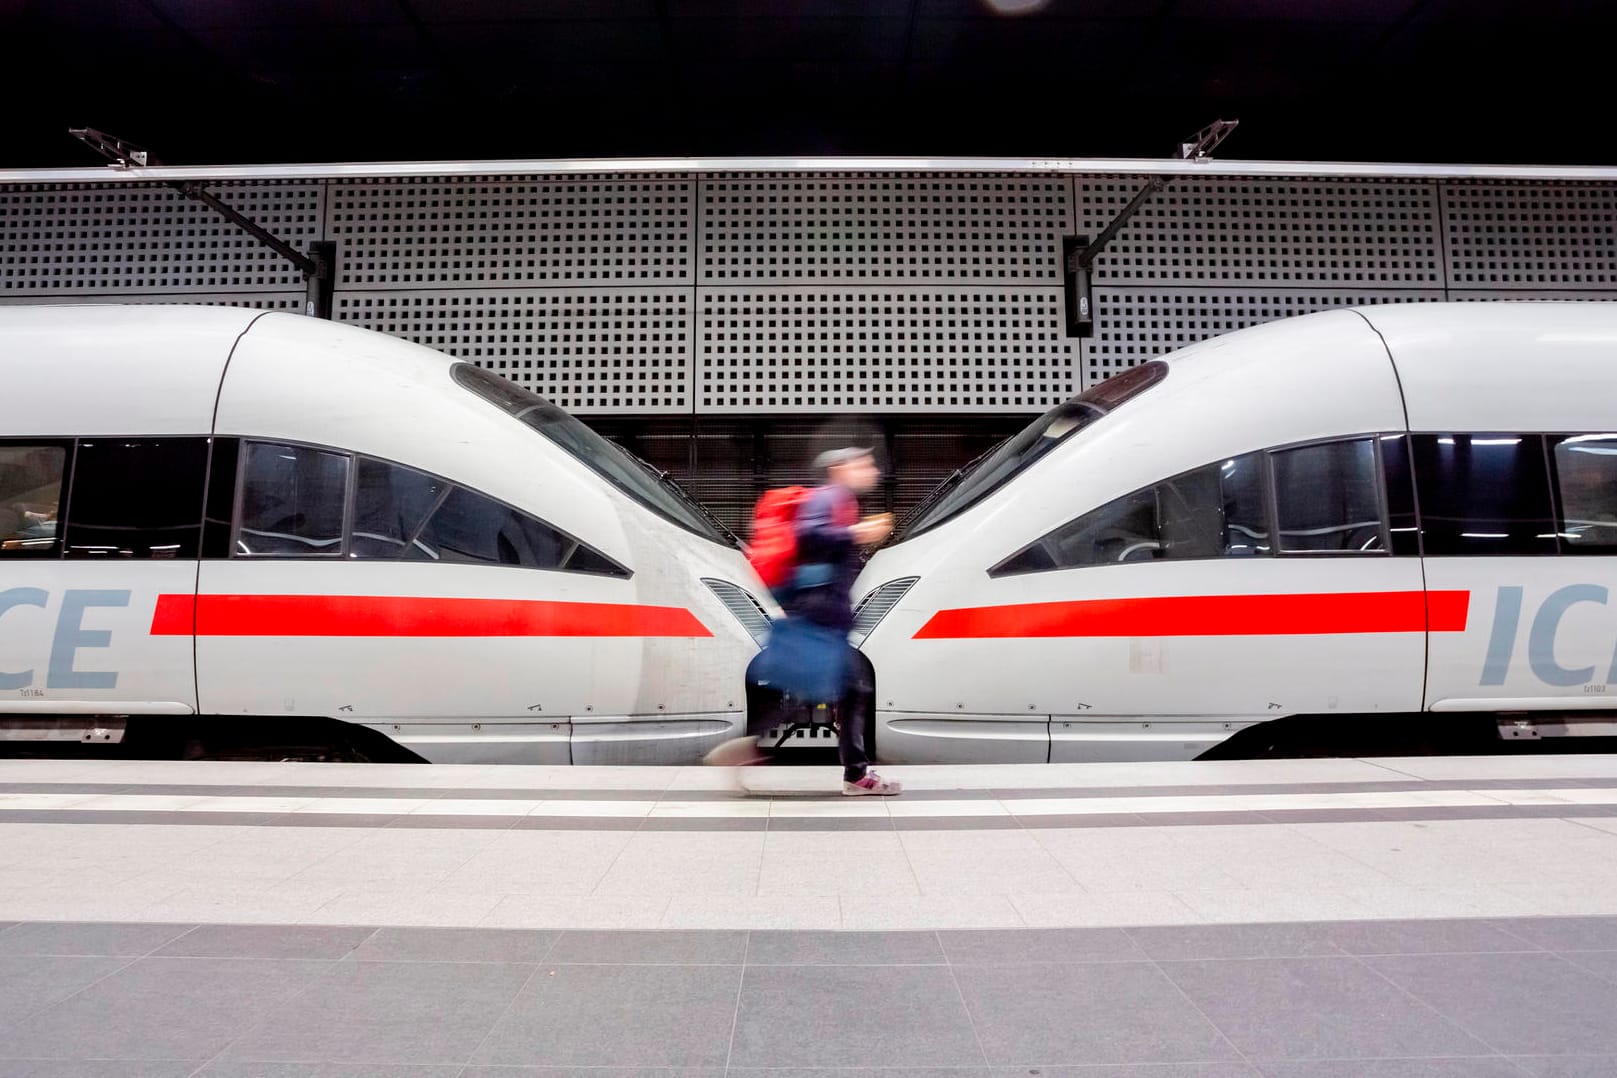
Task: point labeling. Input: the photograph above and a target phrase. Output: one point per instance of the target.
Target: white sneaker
(872, 785)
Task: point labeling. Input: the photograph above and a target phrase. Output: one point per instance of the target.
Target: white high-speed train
(1401, 511)
(263, 521)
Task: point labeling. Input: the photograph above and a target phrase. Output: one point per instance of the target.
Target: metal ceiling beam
(688, 165)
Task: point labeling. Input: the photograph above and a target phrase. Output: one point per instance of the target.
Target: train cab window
(137, 498)
(31, 483)
(632, 476)
(292, 502)
(1586, 483)
(1215, 511)
(1019, 453)
(1327, 498)
(410, 515)
(1483, 495)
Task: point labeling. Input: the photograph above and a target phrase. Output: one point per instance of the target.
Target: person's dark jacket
(827, 558)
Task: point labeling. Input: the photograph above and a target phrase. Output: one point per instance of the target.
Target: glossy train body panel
(457, 659)
(1065, 655)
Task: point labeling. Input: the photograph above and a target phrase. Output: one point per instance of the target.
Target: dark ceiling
(204, 81)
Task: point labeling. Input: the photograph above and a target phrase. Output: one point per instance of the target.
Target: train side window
(1403, 526)
(468, 527)
(391, 502)
(1483, 495)
(219, 514)
(1214, 511)
(1586, 482)
(402, 513)
(292, 501)
(137, 498)
(1327, 498)
(32, 479)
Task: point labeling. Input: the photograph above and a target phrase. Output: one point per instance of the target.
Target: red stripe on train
(1211, 615)
(397, 615)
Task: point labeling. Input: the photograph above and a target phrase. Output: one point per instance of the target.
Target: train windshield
(1015, 455)
(610, 461)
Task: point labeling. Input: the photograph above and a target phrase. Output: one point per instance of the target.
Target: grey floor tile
(1600, 963)
(353, 821)
(30, 983)
(87, 938)
(1559, 933)
(388, 1012)
(245, 1069)
(98, 1068)
(674, 948)
(267, 941)
(860, 1072)
(593, 1072)
(162, 1008)
(1315, 1008)
(1122, 1012)
(1138, 1070)
(1023, 945)
(618, 1015)
(852, 1016)
(817, 823)
(1395, 1068)
(1521, 1004)
(950, 823)
(1183, 942)
(783, 948)
(1424, 937)
(455, 945)
(1568, 1066)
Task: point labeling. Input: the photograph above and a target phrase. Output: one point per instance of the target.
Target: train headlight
(875, 606)
(747, 610)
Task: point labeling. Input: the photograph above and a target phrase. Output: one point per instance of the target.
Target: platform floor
(1429, 918)
(989, 847)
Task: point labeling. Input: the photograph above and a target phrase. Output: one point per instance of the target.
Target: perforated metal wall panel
(1299, 233)
(882, 350)
(1493, 295)
(268, 301)
(813, 293)
(512, 233)
(1527, 236)
(1136, 324)
(94, 239)
(594, 351)
(887, 228)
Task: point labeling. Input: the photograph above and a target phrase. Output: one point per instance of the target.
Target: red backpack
(773, 550)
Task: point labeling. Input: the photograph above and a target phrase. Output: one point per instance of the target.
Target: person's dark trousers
(854, 711)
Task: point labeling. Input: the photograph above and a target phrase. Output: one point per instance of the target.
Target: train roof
(1503, 366)
(114, 368)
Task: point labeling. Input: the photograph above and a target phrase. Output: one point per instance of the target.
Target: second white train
(1392, 511)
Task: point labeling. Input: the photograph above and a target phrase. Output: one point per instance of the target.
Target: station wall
(718, 321)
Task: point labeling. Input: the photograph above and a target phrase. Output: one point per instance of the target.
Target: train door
(99, 540)
(1268, 584)
(1522, 530)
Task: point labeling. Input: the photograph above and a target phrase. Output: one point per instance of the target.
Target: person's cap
(832, 457)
